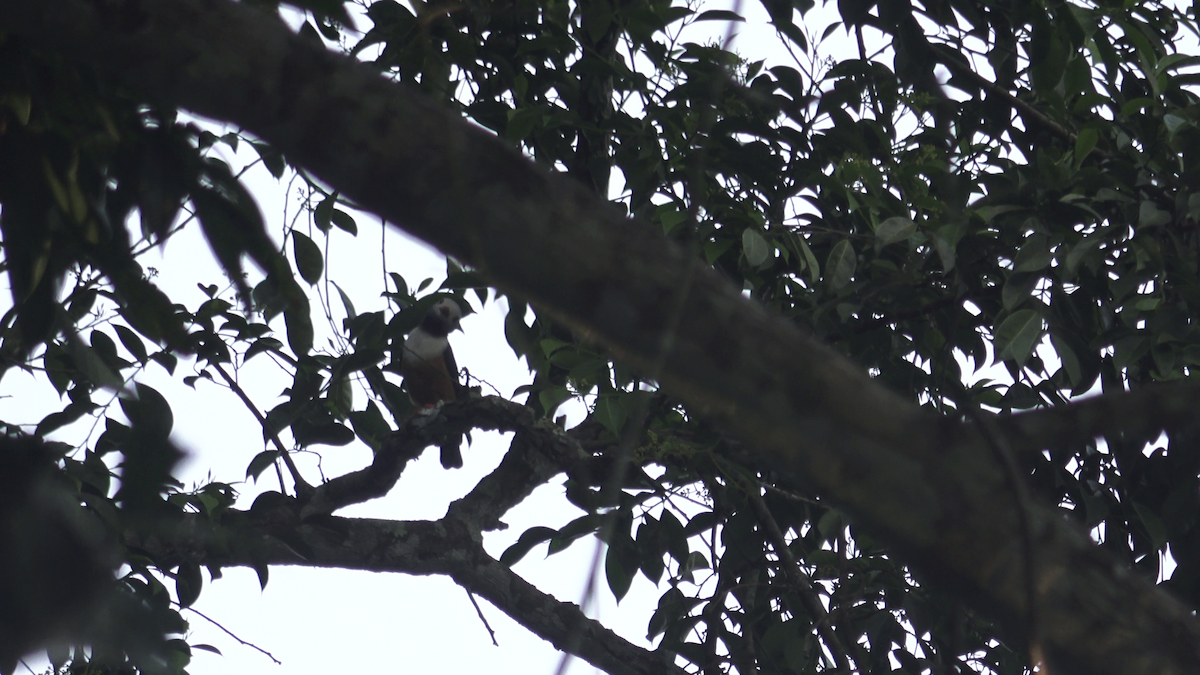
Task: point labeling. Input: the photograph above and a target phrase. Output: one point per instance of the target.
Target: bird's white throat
(423, 346)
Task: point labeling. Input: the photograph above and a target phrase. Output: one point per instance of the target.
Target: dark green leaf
(188, 583)
(260, 463)
(344, 221)
(839, 268)
(894, 229)
(525, 543)
(610, 411)
(133, 343)
(719, 15)
(310, 262)
(1017, 336)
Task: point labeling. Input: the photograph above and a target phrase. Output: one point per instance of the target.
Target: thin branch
(302, 486)
(959, 68)
(234, 636)
(478, 611)
(797, 577)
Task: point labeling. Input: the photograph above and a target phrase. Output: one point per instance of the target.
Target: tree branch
(448, 547)
(1165, 407)
(540, 451)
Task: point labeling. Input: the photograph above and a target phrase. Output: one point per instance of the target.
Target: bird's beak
(457, 327)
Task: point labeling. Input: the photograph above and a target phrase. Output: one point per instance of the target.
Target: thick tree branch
(448, 547)
(540, 451)
(1169, 408)
(929, 486)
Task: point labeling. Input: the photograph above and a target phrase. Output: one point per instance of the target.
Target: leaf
(831, 524)
(463, 279)
(1034, 255)
(719, 15)
(57, 420)
(370, 426)
(263, 571)
(260, 463)
(1084, 144)
(552, 397)
(1070, 362)
(344, 221)
(894, 229)
(989, 213)
(309, 260)
(1017, 336)
(525, 543)
(1153, 524)
(618, 574)
(299, 329)
(271, 158)
(839, 268)
(583, 525)
(266, 344)
(810, 261)
(188, 582)
(522, 122)
(1149, 215)
(945, 251)
(621, 562)
(208, 648)
(1017, 289)
(651, 546)
(1081, 249)
(323, 214)
(670, 216)
(1173, 124)
(612, 414)
(350, 311)
(150, 413)
(756, 249)
(92, 366)
(133, 343)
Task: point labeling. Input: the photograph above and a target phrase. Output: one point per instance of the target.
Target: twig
(958, 68)
(797, 577)
(791, 496)
(479, 611)
(302, 486)
(235, 637)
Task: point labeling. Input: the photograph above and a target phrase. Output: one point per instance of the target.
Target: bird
(429, 370)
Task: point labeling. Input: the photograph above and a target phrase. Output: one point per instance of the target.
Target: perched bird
(430, 373)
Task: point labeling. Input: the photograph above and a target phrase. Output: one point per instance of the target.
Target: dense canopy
(830, 313)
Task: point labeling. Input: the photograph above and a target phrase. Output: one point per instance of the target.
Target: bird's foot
(430, 409)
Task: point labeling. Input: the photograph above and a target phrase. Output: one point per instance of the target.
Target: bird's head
(444, 317)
